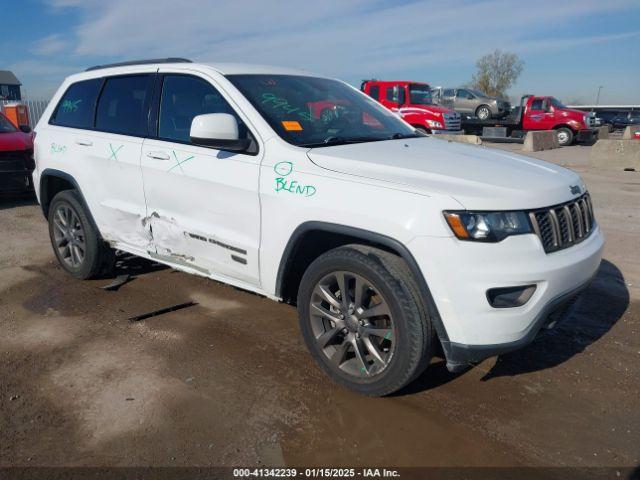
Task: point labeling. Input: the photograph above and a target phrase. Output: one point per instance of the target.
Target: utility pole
(598, 96)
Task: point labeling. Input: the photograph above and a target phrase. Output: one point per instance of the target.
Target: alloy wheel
(69, 236)
(483, 113)
(352, 324)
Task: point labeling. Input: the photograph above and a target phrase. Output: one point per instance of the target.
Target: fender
(374, 238)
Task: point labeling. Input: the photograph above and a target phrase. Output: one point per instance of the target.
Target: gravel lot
(228, 381)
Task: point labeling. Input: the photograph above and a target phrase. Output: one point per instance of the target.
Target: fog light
(509, 297)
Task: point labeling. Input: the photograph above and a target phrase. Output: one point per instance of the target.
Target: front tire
(565, 136)
(483, 112)
(76, 243)
(363, 320)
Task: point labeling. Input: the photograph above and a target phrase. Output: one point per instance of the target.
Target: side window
(374, 92)
(184, 97)
(76, 107)
(463, 94)
(536, 104)
(396, 94)
(122, 105)
(447, 92)
(390, 94)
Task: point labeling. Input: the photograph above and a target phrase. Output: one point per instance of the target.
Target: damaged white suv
(303, 189)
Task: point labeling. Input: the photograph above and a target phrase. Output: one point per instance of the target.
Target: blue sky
(569, 47)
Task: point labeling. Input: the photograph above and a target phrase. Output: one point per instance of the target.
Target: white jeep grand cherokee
(303, 189)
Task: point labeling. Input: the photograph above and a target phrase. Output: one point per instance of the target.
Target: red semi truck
(413, 102)
(540, 113)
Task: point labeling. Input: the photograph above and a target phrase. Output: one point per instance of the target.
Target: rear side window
(77, 105)
(123, 104)
(374, 92)
(183, 98)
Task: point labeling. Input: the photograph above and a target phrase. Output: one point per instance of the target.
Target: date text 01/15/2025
(283, 169)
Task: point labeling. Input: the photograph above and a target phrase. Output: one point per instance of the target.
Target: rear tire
(374, 342)
(77, 245)
(565, 136)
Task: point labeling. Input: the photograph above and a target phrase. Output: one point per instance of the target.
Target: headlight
(487, 226)
(434, 124)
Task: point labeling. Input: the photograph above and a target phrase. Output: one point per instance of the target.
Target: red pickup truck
(541, 113)
(413, 102)
(16, 158)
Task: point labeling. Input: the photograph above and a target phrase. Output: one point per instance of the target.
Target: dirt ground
(228, 381)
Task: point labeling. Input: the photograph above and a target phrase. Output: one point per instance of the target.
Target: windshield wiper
(398, 136)
(332, 141)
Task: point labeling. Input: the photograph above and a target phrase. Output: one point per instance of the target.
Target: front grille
(591, 121)
(452, 121)
(15, 160)
(563, 225)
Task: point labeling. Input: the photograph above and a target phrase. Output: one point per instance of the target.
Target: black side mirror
(236, 145)
(25, 128)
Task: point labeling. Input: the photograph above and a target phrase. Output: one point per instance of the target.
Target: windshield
(420, 95)
(316, 112)
(6, 126)
(556, 103)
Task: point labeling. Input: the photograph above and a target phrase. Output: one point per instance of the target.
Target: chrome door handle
(84, 143)
(158, 155)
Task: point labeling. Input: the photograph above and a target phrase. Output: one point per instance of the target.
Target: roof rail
(139, 62)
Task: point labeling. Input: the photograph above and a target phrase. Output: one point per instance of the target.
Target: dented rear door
(202, 204)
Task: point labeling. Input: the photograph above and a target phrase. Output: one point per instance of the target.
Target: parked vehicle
(623, 120)
(413, 102)
(472, 102)
(542, 113)
(16, 157)
(389, 242)
(606, 118)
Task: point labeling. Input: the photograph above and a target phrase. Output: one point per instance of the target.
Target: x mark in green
(179, 162)
(114, 153)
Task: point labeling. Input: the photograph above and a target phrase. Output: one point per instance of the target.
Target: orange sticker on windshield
(291, 126)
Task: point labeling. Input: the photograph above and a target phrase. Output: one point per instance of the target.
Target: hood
(428, 108)
(15, 141)
(479, 178)
(575, 112)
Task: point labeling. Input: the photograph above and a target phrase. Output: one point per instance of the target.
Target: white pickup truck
(394, 246)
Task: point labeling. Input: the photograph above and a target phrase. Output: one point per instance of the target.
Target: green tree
(497, 72)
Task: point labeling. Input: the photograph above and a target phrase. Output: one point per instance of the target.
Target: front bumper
(460, 355)
(16, 168)
(586, 136)
(460, 273)
(15, 182)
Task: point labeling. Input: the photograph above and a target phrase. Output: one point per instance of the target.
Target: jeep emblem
(575, 189)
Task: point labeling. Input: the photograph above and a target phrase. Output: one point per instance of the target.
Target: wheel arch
(563, 125)
(54, 181)
(311, 239)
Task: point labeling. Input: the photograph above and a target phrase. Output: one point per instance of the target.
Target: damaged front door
(202, 204)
